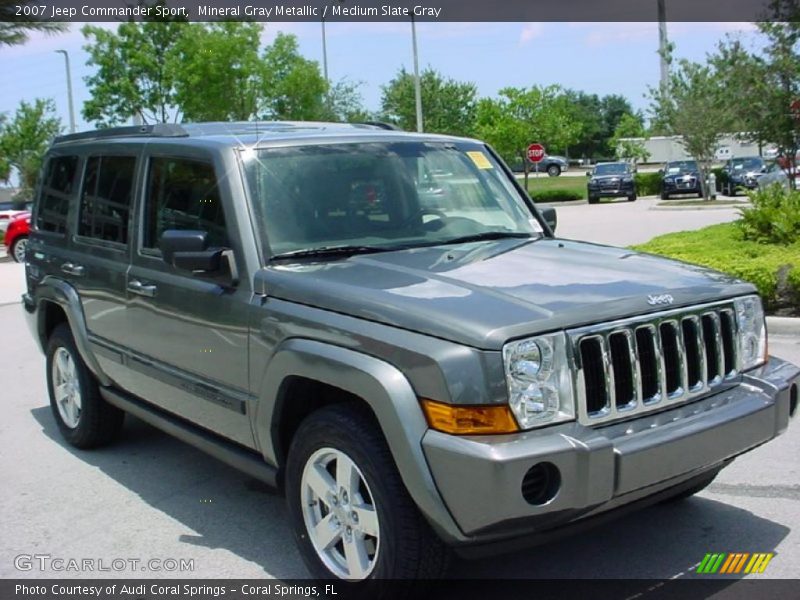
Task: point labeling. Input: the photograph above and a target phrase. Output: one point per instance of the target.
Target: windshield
(611, 169)
(681, 166)
(381, 196)
(747, 163)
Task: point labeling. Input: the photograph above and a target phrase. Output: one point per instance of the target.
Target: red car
(17, 235)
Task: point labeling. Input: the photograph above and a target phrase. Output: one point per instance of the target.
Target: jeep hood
(483, 294)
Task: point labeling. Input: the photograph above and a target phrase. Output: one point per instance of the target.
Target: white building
(665, 148)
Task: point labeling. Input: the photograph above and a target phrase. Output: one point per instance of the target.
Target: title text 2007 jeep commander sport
(383, 325)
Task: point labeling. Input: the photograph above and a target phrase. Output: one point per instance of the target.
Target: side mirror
(549, 215)
(661, 171)
(588, 173)
(764, 169)
(188, 250)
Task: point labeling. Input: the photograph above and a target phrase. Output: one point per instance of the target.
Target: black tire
(593, 199)
(699, 194)
(632, 198)
(699, 487)
(98, 423)
(554, 171)
(664, 196)
(18, 248)
(408, 548)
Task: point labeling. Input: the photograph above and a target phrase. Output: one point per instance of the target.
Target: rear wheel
(352, 516)
(18, 248)
(84, 418)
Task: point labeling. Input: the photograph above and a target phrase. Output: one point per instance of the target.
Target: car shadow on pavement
(227, 509)
(231, 511)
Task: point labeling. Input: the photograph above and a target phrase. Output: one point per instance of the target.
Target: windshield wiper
(331, 251)
(487, 236)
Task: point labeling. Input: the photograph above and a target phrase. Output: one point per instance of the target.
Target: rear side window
(106, 198)
(57, 186)
(182, 194)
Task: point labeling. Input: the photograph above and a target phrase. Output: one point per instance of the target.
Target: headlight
(539, 380)
(752, 332)
(627, 180)
(669, 180)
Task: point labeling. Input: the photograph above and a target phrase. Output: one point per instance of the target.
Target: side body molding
(387, 392)
(53, 289)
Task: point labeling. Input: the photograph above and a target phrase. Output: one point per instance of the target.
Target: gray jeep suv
(382, 325)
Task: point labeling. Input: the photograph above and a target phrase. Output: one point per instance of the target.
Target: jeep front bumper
(605, 467)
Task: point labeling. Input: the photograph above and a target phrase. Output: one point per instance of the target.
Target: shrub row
(556, 195)
(774, 269)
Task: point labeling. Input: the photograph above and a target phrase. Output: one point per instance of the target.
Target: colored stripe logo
(734, 563)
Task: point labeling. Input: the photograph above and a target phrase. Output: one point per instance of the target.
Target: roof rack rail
(157, 130)
(381, 125)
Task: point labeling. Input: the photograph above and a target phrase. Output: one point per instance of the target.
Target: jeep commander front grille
(647, 363)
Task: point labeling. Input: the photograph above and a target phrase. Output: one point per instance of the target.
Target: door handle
(137, 287)
(72, 269)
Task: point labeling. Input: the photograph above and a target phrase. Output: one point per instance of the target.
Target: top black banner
(402, 10)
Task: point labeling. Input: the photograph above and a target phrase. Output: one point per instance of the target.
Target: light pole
(324, 53)
(69, 91)
(417, 86)
(663, 46)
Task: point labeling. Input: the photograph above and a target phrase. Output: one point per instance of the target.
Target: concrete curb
(783, 325)
(717, 207)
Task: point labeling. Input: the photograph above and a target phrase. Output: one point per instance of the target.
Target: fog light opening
(793, 400)
(541, 483)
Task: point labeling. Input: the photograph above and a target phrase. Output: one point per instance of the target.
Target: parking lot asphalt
(150, 496)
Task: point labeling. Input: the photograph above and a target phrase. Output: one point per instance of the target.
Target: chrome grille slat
(648, 361)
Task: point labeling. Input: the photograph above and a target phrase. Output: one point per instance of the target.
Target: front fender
(389, 395)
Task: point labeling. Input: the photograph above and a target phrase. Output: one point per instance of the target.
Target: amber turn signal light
(468, 420)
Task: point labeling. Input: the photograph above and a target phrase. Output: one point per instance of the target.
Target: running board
(247, 461)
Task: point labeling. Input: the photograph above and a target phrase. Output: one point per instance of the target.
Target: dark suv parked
(743, 172)
(680, 177)
(383, 326)
(611, 180)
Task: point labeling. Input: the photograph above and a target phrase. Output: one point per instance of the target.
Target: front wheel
(18, 248)
(593, 199)
(664, 196)
(632, 198)
(554, 170)
(352, 516)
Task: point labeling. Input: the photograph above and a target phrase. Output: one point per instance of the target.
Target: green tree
(292, 87)
(133, 71)
(24, 139)
(519, 117)
(598, 119)
(216, 71)
(625, 148)
(448, 106)
(586, 111)
(15, 29)
(344, 103)
(694, 106)
(761, 87)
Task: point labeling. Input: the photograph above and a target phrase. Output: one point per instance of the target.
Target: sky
(600, 58)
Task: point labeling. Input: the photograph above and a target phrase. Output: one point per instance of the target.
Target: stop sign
(535, 153)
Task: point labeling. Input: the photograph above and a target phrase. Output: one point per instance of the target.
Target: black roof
(237, 128)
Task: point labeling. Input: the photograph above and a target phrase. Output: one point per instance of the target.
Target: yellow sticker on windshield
(480, 160)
